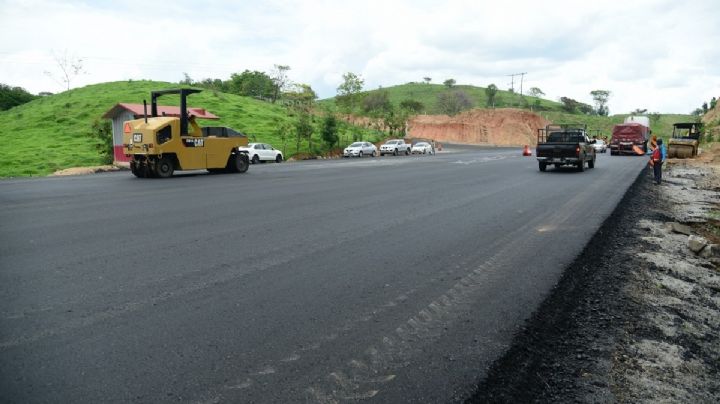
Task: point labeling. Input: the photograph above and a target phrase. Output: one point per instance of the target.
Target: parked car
(422, 148)
(600, 146)
(258, 152)
(395, 147)
(359, 149)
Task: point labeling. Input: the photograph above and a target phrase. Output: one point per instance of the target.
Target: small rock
(680, 228)
(696, 243)
(711, 250)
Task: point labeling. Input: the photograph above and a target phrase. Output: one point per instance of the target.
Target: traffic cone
(526, 151)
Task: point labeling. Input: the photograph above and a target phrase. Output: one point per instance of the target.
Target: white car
(360, 149)
(600, 146)
(258, 152)
(395, 147)
(423, 148)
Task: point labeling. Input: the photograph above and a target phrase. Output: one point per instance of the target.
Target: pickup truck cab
(395, 147)
(565, 145)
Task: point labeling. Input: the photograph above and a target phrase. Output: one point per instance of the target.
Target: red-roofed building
(125, 112)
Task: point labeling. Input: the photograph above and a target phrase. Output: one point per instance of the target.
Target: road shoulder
(635, 317)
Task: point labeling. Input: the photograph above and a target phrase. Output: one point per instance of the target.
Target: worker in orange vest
(657, 159)
(653, 143)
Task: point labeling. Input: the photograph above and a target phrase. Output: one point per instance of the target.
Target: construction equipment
(685, 140)
(159, 145)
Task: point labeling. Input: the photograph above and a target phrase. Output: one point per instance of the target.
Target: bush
(101, 132)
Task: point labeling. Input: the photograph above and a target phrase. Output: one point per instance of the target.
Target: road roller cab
(685, 140)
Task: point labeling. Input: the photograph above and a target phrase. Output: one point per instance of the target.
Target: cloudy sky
(662, 55)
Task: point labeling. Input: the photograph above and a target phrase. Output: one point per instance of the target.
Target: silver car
(359, 149)
(600, 146)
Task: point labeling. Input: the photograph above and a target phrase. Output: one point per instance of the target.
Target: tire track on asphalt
(364, 377)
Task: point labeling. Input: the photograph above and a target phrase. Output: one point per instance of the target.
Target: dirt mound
(712, 115)
(499, 127)
(90, 170)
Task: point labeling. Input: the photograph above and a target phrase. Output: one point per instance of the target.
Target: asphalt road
(393, 279)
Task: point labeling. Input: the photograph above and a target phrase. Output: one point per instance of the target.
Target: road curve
(393, 279)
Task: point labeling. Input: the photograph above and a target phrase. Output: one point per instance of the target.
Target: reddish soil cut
(498, 127)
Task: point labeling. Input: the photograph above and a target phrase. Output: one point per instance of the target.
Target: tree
(638, 111)
(377, 103)
(187, 80)
(713, 103)
(449, 83)
(303, 128)
(280, 80)
(69, 66)
(535, 92)
(588, 109)
(282, 130)
(569, 105)
(427, 80)
(214, 84)
(601, 98)
(453, 102)
(252, 84)
(348, 91)
(412, 106)
(395, 120)
(705, 107)
(490, 93)
(13, 96)
(101, 133)
(302, 97)
(329, 131)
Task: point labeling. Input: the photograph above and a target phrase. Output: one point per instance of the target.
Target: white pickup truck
(395, 147)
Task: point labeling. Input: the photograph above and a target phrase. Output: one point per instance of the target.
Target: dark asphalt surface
(393, 279)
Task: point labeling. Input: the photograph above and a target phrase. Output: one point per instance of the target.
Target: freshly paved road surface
(393, 279)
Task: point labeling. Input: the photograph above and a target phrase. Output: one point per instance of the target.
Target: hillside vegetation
(427, 94)
(55, 132)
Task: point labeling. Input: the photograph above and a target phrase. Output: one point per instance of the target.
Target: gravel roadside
(636, 317)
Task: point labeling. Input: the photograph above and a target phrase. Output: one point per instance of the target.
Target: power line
(512, 81)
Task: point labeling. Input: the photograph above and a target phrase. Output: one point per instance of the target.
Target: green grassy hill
(427, 94)
(54, 132)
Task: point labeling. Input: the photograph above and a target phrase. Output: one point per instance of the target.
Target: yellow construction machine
(159, 145)
(685, 140)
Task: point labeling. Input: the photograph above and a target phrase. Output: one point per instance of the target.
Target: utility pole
(512, 81)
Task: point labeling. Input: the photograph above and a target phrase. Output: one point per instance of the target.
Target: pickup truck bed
(566, 148)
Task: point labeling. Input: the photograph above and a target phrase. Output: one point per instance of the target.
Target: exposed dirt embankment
(499, 127)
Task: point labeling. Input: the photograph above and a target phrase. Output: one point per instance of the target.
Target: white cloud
(655, 54)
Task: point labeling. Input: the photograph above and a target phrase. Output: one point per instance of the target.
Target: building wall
(117, 130)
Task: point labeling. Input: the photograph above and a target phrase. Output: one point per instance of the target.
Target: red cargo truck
(627, 135)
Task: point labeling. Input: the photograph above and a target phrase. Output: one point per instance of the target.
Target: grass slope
(53, 132)
(427, 94)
